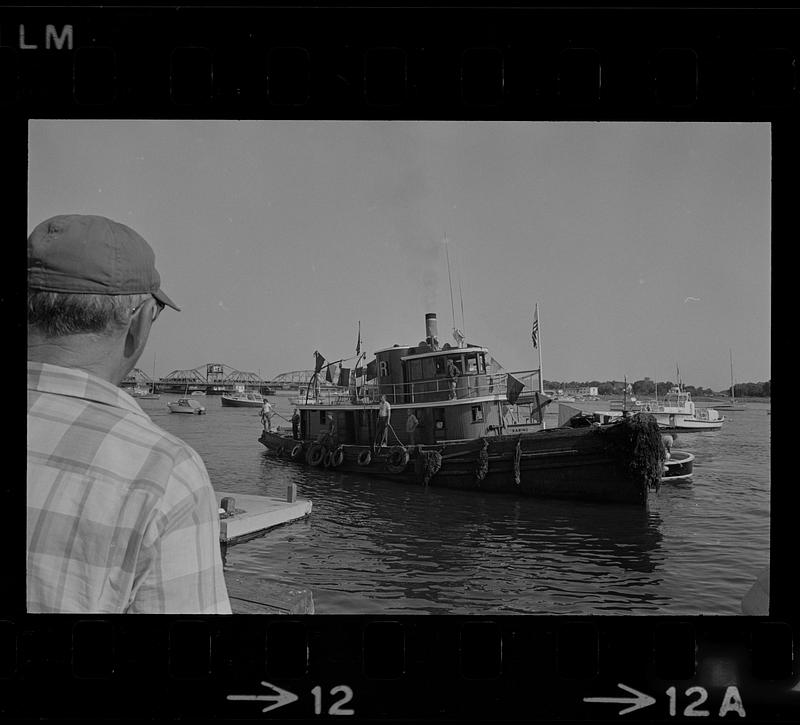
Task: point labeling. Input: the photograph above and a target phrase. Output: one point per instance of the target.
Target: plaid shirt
(121, 514)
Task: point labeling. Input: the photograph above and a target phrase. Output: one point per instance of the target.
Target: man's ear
(138, 331)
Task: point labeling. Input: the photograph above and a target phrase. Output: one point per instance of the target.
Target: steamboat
(478, 427)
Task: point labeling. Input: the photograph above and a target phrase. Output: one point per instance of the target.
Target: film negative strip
(303, 651)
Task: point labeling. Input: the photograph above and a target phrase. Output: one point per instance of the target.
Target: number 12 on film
(336, 708)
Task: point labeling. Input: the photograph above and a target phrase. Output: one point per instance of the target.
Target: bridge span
(215, 379)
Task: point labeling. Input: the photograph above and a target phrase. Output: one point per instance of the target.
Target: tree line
(647, 387)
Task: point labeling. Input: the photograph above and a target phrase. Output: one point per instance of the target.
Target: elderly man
(121, 515)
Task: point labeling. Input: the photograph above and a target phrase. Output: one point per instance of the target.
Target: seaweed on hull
(638, 441)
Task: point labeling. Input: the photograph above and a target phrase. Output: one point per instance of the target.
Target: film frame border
(698, 72)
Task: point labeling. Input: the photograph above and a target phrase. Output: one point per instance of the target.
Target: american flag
(535, 328)
(358, 344)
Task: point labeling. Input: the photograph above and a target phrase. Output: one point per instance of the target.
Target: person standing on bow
(384, 416)
(266, 415)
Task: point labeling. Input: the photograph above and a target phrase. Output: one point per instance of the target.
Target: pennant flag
(358, 344)
(344, 378)
(535, 328)
(513, 388)
(319, 361)
(332, 373)
(372, 370)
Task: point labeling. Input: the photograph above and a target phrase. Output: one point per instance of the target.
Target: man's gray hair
(56, 314)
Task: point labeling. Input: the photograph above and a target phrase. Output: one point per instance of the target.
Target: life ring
(296, 451)
(364, 458)
(326, 460)
(397, 459)
(337, 457)
(315, 454)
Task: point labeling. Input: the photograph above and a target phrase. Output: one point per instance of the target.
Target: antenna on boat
(450, 280)
(461, 298)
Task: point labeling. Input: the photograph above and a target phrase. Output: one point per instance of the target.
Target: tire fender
(397, 459)
(315, 455)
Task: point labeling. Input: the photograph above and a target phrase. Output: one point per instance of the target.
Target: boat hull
(186, 406)
(679, 466)
(617, 463)
(687, 423)
(234, 403)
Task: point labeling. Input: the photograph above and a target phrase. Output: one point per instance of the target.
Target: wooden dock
(246, 517)
(253, 515)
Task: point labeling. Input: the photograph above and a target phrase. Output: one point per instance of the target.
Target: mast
(733, 393)
(450, 279)
(536, 339)
(539, 347)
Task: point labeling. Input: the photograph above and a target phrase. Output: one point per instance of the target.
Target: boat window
(415, 370)
(322, 417)
(472, 364)
(477, 414)
(440, 365)
(428, 368)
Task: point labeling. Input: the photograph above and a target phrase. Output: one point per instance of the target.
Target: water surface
(374, 546)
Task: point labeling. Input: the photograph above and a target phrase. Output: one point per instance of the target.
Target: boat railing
(425, 391)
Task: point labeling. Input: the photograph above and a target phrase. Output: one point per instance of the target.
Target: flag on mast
(358, 344)
(535, 328)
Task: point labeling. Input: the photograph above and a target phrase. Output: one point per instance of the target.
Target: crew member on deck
(411, 426)
(266, 415)
(333, 437)
(452, 371)
(384, 415)
(296, 424)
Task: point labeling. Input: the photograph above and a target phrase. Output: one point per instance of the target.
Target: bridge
(216, 378)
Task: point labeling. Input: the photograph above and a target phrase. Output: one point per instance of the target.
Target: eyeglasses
(156, 310)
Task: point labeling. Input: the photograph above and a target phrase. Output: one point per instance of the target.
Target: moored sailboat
(732, 405)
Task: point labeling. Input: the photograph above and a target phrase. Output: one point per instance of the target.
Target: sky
(645, 245)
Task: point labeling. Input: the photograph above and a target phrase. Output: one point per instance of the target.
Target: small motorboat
(198, 392)
(677, 412)
(678, 467)
(242, 400)
(186, 405)
(145, 393)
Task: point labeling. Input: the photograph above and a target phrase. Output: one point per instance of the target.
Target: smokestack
(431, 330)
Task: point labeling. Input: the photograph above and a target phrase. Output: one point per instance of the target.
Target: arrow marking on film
(281, 698)
(640, 699)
